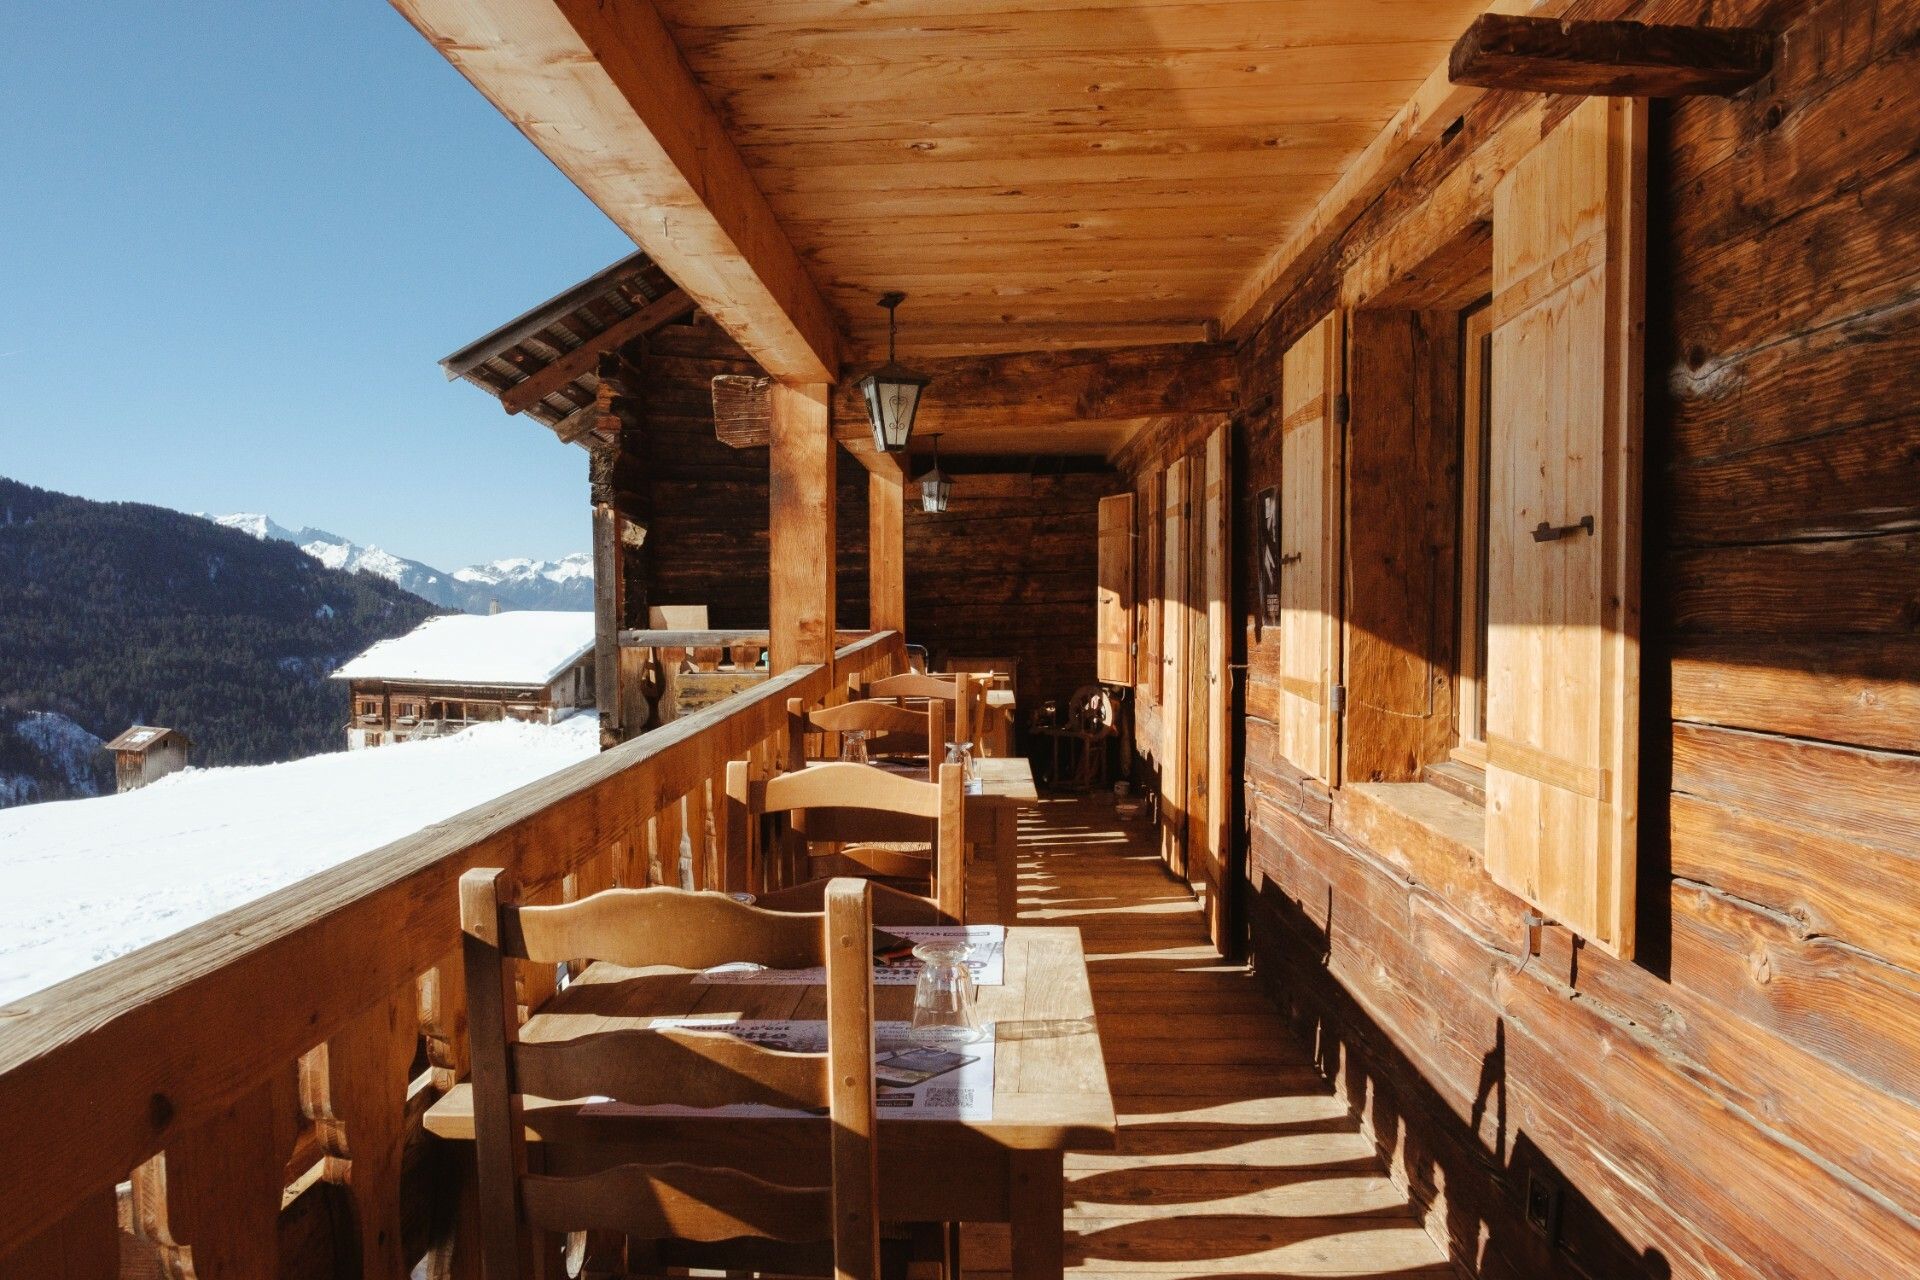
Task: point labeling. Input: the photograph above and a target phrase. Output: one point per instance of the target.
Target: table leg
(1006, 861)
(1039, 1215)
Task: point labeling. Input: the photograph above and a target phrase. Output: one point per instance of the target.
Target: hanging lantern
(935, 487)
(891, 392)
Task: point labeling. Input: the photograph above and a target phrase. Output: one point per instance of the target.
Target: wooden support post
(801, 528)
(886, 550)
(609, 608)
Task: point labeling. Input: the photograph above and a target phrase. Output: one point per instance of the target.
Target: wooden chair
(966, 695)
(997, 673)
(524, 1213)
(853, 806)
(901, 731)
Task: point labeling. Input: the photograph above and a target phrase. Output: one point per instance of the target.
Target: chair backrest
(967, 694)
(839, 801)
(900, 730)
(521, 1211)
(1001, 673)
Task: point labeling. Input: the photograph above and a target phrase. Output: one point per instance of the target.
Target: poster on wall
(1267, 533)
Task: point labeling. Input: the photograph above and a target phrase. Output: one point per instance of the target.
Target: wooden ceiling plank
(604, 92)
(1609, 59)
(1414, 127)
(552, 377)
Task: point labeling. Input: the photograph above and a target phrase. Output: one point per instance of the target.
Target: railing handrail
(100, 1072)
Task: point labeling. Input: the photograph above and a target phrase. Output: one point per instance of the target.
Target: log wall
(1742, 1100)
(707, 532)
(1008, 570)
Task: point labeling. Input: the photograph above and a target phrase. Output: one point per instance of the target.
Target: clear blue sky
(235, 238)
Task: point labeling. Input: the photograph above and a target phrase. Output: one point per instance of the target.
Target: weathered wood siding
(1743, 1099)
(707, 535)
(1009, 570)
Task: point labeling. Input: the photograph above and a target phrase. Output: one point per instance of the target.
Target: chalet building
(461, 669)
(146, 753)
(1478, 450)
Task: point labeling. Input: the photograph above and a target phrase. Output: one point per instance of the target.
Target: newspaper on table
(986, 959)
(915, 1082)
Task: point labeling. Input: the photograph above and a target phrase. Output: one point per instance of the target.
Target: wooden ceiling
(1050, 173)
(1036, 175)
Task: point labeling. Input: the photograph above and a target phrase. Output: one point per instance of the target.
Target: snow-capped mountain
(566, 583)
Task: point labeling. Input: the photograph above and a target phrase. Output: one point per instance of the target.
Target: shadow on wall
(1500, 1204)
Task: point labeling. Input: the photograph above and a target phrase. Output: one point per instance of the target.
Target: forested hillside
(113, 613)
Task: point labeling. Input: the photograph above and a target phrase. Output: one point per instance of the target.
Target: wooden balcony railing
(259, 1079)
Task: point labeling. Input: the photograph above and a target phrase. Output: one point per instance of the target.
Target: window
(1476, 398)
(367, 708)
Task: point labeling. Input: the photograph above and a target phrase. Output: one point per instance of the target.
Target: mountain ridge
(516, 582)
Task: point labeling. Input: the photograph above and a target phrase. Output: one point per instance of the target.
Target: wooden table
(1050, 1096)
(993, 826)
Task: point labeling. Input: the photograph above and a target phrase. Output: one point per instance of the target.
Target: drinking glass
(853, 746)
(943, 998)
(961, 753)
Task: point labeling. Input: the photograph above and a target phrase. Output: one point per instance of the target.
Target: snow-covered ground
(83, 881)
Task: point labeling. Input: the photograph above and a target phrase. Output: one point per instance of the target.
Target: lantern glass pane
(935, 489)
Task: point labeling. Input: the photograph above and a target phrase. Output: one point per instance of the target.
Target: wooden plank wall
(1010, 569)
(1742, 1099)
(707, 537)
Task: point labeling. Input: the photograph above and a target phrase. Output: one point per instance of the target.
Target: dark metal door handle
(1544, 532)
(1290, 558)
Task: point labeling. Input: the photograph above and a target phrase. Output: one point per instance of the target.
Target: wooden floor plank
(1233, 1158)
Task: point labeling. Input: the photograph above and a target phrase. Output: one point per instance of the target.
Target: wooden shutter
(1311, 385)
(1562, 643)
(1219, 874)
(1155, 593)
(1114, 609)
(1174, 664)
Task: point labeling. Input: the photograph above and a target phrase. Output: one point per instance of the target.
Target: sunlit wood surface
(1233, 1159)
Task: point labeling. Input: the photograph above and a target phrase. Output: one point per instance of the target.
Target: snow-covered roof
(82, 881)
(141, 737)
(526, 647)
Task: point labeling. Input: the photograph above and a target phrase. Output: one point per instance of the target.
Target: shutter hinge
(1338, 700)
(1342, 409)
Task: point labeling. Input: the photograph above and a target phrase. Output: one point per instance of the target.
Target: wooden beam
(604, 92)
(551, 378)
(800, 528)
(886, 551)
(1434, 106)
(1030, 392)
(1609, 59)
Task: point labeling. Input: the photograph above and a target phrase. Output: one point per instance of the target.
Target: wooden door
(1312, 382)
(1113, 654)
(1174, 667)
(1562, 526)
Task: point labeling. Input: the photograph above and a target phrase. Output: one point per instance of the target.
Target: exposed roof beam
(1435, 105)
(604, 92)
(1609, 59)
(1030, 391)
(550, 378)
